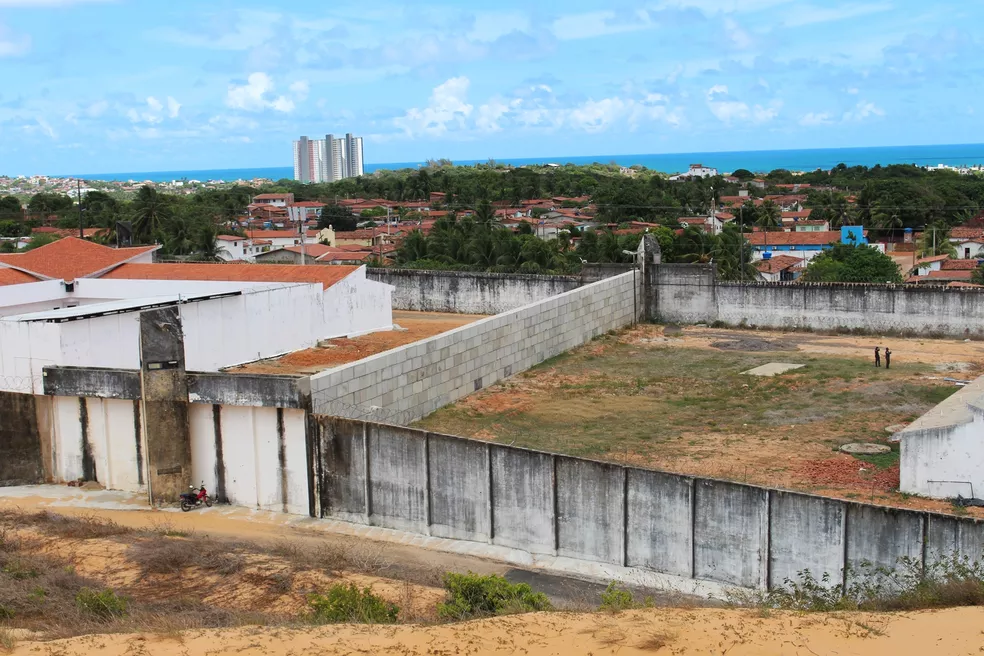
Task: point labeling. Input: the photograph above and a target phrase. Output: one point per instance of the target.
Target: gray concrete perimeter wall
(687, 293)
(469, 293)
(407, 383)
(605, 513)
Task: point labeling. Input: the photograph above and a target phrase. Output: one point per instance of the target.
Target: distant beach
(758, 161)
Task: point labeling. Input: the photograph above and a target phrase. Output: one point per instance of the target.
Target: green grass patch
(347, 603)
(472, 595)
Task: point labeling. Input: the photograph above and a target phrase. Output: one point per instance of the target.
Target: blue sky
(93, 86)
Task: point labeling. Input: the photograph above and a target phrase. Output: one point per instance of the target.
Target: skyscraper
(328, 159)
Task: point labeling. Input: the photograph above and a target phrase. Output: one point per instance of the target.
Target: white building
(701, 171)
(328, 159)
(233, 248)
(942, 454)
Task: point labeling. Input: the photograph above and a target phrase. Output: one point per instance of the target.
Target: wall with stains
(608, 514)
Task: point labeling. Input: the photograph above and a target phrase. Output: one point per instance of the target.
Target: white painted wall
(945, 462)
(357, 305)
(112, 435)
(66, 439)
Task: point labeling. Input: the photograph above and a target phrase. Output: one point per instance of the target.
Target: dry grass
(654, 641)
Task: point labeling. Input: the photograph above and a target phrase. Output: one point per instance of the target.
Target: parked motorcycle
(196, 497)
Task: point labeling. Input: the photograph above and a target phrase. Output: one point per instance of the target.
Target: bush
(471, 595)
(616, 598)
(104, 604)
(950, 582)
(349, 604)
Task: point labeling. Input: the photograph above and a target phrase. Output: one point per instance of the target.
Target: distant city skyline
(118, 85)
(328, 159)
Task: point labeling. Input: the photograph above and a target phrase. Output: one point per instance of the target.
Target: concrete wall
(410, 382)
(20, 446)
(469, 293)
(684, 293)
(603, 513)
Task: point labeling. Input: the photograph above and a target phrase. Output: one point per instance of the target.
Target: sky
(99, 86)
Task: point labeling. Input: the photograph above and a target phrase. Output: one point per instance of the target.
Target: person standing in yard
(888, 357)
(877, 356)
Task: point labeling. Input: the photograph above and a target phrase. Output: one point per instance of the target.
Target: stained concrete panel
(342, 469)
(20, 441)
(398, 478)
(879, 537)
(523, 499)
(660, 522)
(731, 533)
(806, 533)
(954, 537)
(590, 510)
(459, 488)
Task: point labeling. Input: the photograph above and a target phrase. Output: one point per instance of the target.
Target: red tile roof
(935, 258)
(958, 265)
(237, 272)
(230, 238)
(357, 234)
(272, 197)
(963, 232)
(14, 277)
(964, 284)
(949, 275)
(309, 203)
(70, 258)
(804, 214)
(794, 238)
(778, 263)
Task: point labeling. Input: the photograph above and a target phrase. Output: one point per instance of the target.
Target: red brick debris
(845, 472)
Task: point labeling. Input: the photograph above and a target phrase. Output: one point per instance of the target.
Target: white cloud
(814, 119)
(739, 38)
(598, 23)
(256, 95)
(97, 109)
(46, 128)
(13, 45)
(488, 115)
(241, 30)
(154, 104)
(863, 110)
(853, 91)
(729, 110)
(173, 107)
(801, 14)
(448, 106)
(300, 89)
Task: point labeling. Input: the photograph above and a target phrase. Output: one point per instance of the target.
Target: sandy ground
(678, 632)
(929, 351)
(416, 326)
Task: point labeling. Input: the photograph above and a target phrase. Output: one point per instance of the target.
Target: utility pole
(741, 233)
(78, 193)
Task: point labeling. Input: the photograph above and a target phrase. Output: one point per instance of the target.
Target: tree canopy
(852, 263)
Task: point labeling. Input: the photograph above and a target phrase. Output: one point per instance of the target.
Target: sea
(757, 161)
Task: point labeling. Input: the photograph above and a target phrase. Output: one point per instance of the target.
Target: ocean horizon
(757, 161)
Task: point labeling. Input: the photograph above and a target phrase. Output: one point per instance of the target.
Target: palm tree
(769, 216)
(696, 246)
(484, 213)
(150, 210)
(733, 255)
(935, 240)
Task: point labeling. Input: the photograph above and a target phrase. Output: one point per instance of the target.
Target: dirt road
(680, 632)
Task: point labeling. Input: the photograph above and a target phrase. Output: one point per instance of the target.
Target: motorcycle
(196, 497)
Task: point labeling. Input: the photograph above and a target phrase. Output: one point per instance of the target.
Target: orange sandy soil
(548, 399)
(334, 352)
(666, 631)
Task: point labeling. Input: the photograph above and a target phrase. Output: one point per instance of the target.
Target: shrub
(950, 582)
(471, 595)
(349, 604)
(104, 604)
(616, 598)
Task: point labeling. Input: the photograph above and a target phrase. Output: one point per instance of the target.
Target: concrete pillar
(164, 391)
(649, 256)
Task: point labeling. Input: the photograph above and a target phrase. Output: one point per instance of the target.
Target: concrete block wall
(408, 383)
(469, 293)
(730, 533)
(686, 293)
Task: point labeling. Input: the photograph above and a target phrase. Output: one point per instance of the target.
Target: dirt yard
(414, 326)
(677, 400)
(680, 632)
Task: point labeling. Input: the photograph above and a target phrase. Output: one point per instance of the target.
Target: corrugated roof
(70, 258)
(234, 272)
